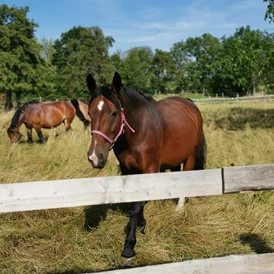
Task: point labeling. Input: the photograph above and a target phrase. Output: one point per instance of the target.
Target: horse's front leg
(136, 218)
(29, 132)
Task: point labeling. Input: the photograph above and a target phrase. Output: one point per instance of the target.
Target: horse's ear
(117, 82)
(92, 86)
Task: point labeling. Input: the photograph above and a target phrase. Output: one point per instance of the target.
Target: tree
(163, 71)
(194, 61)
(136, 69)
(243, 61)
(19, 53)
(117, 60)
(81, 51)
(269, 14)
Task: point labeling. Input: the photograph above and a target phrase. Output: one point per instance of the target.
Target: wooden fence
(209, 100)
(145, 187)
(235, 99)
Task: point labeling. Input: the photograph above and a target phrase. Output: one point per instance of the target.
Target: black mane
(18, 113)
(145, 95)
(105, 91)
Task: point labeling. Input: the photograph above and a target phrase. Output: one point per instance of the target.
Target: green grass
(88, 239)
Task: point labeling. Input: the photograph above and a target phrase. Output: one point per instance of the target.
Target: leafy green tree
(269, 14)
(194, 61)
(20, 61)
(243, 61)
(136, 69)
(117, 60)
(47, 86)
(81, 51)
(163, 71)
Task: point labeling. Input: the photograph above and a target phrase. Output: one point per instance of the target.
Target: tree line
(240, 63)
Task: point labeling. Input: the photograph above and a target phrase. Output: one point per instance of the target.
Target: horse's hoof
(141, 229)
(128, 255)
(128, 261)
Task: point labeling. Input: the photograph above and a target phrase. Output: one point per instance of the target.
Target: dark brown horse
(81, 111)
(40, 115)
(146, 135)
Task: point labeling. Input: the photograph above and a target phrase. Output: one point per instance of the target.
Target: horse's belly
(177, 151)
(49, 125)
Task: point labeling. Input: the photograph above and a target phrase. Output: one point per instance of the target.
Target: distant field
(87, 239)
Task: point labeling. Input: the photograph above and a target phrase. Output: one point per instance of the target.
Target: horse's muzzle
(97, 161)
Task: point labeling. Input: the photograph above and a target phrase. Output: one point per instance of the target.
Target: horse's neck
(130, 110)
(21, 120)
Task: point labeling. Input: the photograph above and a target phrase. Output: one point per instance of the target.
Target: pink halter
(123, 123)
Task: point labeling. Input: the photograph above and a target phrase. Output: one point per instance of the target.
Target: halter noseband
(123, 123)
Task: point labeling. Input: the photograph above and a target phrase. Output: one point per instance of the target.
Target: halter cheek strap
(121, 130)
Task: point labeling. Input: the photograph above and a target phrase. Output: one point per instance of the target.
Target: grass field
(88, 239)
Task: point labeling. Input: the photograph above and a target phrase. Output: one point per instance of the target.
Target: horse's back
(183, 130)
(52, 114)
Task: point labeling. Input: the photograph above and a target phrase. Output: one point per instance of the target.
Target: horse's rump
(81, 111)
(183, 130)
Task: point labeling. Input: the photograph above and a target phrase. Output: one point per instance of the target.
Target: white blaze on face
(100, 105)
(93, 156)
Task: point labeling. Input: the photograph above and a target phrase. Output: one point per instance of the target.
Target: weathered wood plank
(248, 178)
(236, 264)
(106, 190)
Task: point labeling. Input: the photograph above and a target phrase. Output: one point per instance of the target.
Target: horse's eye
(114, 114)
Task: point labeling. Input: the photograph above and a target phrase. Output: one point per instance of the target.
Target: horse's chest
(128, 163)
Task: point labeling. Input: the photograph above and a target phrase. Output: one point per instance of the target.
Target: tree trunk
(8, 104)
(254, 87)
(18, 97)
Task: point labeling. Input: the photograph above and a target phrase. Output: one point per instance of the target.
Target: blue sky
(154, 23)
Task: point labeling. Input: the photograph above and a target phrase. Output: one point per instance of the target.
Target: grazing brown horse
(40, 115)
(81, 111)
(146, 135)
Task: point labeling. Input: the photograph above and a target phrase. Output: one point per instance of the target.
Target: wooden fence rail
(132, 188)
(145, 187)
(233, 264)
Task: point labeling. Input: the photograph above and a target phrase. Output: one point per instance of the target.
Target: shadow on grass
(256, 243)
(81, 271)
(95, 214)
(237, 118)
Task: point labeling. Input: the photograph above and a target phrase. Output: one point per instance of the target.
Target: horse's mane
(147, 96)
(18, 113)
(105, 91)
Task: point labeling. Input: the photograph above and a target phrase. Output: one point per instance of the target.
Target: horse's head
(107, 119)
(14, 135)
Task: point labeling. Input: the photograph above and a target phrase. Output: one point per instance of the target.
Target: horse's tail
(200, 159)
(79, 113)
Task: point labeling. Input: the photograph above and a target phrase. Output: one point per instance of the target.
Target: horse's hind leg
(181, 201)
(41, 136)
(136, 218)
(141, 223)
(67, 122)
(188, 165)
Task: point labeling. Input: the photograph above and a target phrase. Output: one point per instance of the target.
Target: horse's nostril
(101, 157)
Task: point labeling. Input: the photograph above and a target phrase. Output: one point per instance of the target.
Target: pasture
(78, 240)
